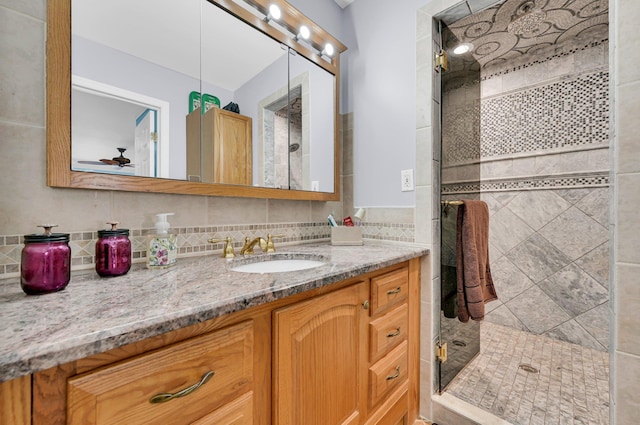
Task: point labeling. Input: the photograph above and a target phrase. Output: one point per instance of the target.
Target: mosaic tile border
(567, 113)
(523, 63)
(194, 240)
(544, 56)
(600, 179)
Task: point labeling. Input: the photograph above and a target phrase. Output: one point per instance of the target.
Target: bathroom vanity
(200, 343)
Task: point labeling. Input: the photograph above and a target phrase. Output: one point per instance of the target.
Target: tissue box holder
(346, 235)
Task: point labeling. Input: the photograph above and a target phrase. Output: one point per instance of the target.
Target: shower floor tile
(530, 379)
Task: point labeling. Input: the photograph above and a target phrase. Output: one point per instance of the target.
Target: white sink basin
(278, 266)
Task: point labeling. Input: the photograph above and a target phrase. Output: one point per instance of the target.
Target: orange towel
(475, 285)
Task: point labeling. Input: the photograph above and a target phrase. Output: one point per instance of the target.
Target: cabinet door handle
(164, 397)
(394, 291)
(394, 333)
(395, 375)
(365, 305)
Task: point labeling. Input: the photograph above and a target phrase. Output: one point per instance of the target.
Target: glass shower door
(460, 143)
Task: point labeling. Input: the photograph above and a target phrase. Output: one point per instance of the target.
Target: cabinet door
(320, 353)
(232, 152)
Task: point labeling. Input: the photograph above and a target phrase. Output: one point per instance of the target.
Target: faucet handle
(228, 251)
(270, 246)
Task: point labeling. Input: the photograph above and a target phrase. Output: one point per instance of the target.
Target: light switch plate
(407, 180)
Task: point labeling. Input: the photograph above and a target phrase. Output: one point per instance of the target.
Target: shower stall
(525, 128)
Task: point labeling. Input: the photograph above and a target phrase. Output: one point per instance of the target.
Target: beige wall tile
(347, 152)
(627, 54)
(496, 169)
(491, 86)
(423, 219)
(236, 210)
(599, 159)
(320, 211)
(424, 156)
(628, 127)
(22, 68)
(346, 194)
(627, 307)
(536, 73)
(627, 388)
(283, 211)
(424, 94)
(590, 59)
(138, 210)
(426, 383)
(524, 166)
(31, 203)
(564, 65)
(34, 8)
(627, 236)
(513, 80)
(390, 215)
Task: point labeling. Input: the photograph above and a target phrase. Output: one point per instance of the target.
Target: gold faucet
(267, 245)
(247, 249)
(228, 251)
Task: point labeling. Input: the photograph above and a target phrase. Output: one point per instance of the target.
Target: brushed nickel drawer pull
(164, 397)
(395, 375)
(394, 291)
(394, 333)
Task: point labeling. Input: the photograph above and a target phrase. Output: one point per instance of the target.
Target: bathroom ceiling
(512, 29)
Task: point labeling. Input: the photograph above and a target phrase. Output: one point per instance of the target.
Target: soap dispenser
(162, 248)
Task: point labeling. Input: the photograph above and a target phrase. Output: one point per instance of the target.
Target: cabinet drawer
(237, 412)
(387, 374)
(389, 289)
(121, 393)
(387, 331)
(397, 414)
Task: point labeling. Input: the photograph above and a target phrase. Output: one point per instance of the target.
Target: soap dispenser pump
(162, 248)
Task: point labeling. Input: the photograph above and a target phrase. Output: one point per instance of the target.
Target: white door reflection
(115, 131)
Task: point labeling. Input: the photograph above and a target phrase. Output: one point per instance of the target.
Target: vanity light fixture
(274, 13)
(303, 33)
(328, 50)
(463, 48)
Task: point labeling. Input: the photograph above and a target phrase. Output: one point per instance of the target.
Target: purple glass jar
(113, 251)
(46, 262)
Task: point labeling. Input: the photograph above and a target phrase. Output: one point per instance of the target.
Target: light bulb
(463, 48)
(328, 50)
(304, 33)
(274, 13)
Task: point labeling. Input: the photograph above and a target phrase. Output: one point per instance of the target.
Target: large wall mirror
(191, 96)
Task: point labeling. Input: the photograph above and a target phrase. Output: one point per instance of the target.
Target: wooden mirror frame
(59, 173)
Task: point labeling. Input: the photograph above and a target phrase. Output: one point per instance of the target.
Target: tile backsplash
(195, 240)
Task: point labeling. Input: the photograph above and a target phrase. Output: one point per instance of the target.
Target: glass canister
(46, 262)
(113, 251)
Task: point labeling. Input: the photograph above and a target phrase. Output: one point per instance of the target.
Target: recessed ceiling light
(463, 48)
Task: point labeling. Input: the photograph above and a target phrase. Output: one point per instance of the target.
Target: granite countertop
(94, 314)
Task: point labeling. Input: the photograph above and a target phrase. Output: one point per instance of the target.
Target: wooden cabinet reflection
(224, 154)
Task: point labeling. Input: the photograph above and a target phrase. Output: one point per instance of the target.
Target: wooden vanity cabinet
(182, 383)
(220, 151)
(346, 353)
(320, 359)
(351, 356)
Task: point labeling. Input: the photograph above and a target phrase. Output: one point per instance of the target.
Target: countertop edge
(104, 340)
